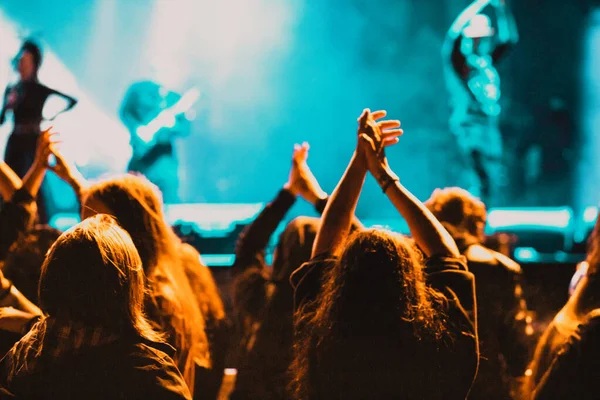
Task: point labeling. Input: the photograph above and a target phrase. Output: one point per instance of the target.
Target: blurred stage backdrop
(277, 72)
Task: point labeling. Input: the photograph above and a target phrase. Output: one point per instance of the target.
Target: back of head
(93, 276)
(25, 259)
(378, 280)
(462, 214)
(293, 249)
(373, 303)
(136, 203)
(32, 47)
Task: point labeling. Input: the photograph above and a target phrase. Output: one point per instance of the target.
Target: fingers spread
(392, 123)
(392, 133)
(390, 141)
(378, 114)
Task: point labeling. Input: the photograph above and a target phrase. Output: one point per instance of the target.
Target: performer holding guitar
(154, 117)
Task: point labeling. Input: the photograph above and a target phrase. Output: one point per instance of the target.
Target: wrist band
(388, 183)
(387, 180)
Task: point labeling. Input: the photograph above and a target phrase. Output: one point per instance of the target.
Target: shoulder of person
(592, 319)
(481, 254)
(157, 374)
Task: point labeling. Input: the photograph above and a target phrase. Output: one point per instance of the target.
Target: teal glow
(62, 222)
(218, 260)
(526, 254)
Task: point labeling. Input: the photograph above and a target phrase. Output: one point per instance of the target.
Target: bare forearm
(12, 297)
(34, 178)
(465, 16)
(427, 231)
(339, 212)
(9, 181)
(507, 26)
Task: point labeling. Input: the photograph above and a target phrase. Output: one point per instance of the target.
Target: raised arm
(308, 186)
(68, 173)
(71, 101)
(251, 245)
(460, 23)
(508, 34)
(337, 218)
(427, 231)
(4, 105)
(9, 181)
(507, 26)
(35, 176)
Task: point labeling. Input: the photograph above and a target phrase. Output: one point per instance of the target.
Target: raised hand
(301, 180)
(374, 137)
(45, 142)
(67, 172)
(61, 167)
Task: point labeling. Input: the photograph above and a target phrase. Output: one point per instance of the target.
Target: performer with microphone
(26, 99)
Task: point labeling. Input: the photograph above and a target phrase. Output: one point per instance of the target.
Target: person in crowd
(17, 217)
(175, 275)
(26, 100)
(93, 341)
(25, 258)
(373, 320)
(502, 310)
(21, 269)
(262, 295)
(17, 214)
(566, 362)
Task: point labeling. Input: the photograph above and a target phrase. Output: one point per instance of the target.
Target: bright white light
(231, 45)
(558, 218)
(590, 214)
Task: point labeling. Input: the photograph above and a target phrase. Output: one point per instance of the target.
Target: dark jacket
(126, 368)
(265, 354)
(501, 320)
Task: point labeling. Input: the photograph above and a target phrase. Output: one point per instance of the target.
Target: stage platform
(536, 234)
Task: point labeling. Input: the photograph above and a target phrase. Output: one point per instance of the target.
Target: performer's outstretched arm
(508, 35)
(460, 23)
(71, 101)
(4, 105)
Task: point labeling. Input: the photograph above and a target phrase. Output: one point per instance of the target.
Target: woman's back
(120, 369)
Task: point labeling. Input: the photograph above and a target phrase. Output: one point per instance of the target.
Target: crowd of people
(119, 307)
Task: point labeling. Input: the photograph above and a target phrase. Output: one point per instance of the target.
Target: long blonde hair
(89, 273)
(137, 206)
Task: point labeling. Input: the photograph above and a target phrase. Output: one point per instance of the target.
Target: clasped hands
(374, 135)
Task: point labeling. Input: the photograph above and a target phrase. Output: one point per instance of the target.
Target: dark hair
(376, 289)
(93, 275)
(458, 208)
(23, 264)
(31, 47)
